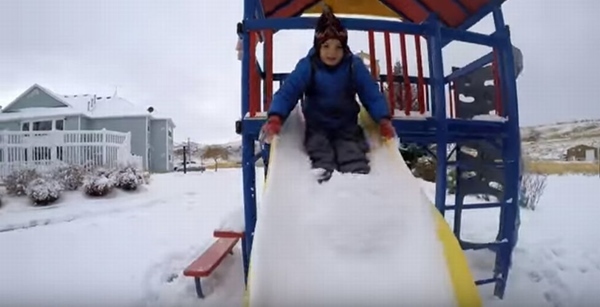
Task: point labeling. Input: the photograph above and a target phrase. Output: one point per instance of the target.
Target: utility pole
(189, 148)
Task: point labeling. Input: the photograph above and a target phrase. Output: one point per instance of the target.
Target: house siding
(170, 146)
(10, 126)
(158, 146)
(135, 125)
(71, 122)
(35, 98)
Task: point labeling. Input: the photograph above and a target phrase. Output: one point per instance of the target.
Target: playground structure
(460, 110)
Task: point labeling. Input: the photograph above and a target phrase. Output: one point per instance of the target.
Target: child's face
(331, 52)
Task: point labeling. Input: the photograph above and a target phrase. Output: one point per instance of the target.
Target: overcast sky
(179, 56)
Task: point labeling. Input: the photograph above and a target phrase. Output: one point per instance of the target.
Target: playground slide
(354, 241)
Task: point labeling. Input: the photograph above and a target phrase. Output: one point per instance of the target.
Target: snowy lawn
(130, 248)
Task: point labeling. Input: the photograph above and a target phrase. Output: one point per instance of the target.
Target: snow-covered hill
(543, 142)
(550, 142)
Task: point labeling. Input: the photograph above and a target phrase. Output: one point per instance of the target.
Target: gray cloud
(179, 56)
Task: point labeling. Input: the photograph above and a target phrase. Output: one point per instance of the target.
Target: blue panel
(470, 37)
(471, 67)
(382, 78)
(475, 18)
(512, 154)
(357, 24)
(248, 171)
(422, 131)
(436, 71)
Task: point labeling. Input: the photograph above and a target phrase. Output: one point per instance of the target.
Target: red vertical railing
(407, 88)
(390, 71)
(254, 77)
(421, 86)
(268, 69)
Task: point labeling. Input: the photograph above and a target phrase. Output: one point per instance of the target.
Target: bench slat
(211, 258)
(228, 234)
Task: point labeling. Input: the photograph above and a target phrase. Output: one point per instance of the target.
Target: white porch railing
(44, 149)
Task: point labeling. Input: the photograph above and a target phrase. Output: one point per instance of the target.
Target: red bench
(227, 234)
(204, 265)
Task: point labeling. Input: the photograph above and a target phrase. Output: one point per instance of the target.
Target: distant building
(367, 60)
(582, 153)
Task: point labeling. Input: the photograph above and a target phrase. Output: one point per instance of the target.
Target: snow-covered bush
(146, 177)
(16, 182)
(70, 177)
(451, 181)
(532, 188)
(425, 168)
(127, 178)
(98, 184)
(43, 191)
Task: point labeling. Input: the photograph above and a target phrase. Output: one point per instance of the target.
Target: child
(330, 76)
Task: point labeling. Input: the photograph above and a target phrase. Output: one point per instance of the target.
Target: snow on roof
(29, 113)
(107, 106)
(89, 105)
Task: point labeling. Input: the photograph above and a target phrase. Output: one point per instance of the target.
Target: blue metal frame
(437, 129)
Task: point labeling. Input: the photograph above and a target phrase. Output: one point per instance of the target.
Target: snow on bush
(16, 182)
(127, 178)
(532, 188)
(43, 191)
(70, 177)
(98, 184)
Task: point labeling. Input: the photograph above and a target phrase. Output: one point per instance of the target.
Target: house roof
(581, 146)
(89, 105)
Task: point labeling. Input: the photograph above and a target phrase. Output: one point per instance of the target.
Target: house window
(43, 125)
(59, 124)
(170, 133)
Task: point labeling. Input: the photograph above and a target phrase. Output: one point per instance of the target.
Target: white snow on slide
(355, 241)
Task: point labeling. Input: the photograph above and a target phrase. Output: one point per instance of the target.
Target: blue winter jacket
(330, 103)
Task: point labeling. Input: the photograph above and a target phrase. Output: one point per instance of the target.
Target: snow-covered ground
(130, 249)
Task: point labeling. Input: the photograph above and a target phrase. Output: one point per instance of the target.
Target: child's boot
(322, 174)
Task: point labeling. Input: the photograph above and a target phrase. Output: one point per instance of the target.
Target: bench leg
(198, 287)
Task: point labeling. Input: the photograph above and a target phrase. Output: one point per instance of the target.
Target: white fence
(42, 149)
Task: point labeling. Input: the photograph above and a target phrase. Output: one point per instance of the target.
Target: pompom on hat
(330, 27)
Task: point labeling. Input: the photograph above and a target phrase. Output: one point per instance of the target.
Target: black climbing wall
(474, 95)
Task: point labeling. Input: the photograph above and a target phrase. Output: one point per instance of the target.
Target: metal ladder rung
(478, 246)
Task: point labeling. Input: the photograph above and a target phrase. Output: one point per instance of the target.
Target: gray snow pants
(344, 150)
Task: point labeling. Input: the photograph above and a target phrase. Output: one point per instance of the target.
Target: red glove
(386, 129)
(271, 128)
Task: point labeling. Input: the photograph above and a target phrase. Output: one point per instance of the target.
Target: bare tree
(532, 188)
(401, 94)
(215, 153)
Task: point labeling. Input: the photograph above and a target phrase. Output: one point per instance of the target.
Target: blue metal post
(248, 169)
(436, 69)
(512, 152)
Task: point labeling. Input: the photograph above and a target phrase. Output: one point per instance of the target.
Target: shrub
(98, 184)
(532, 188)
(43, 191)
(425, 168)
(146, 177)
(70, 177)
(16, 182)
(127, 179)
